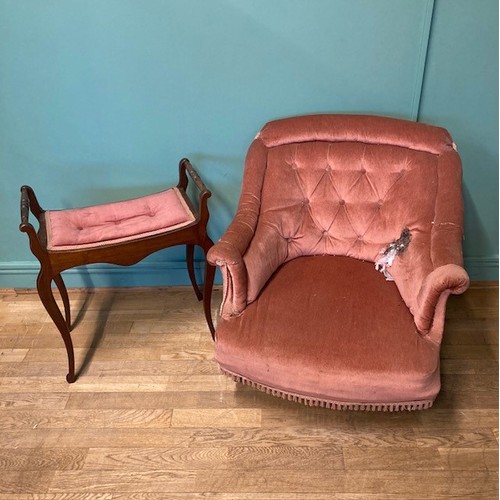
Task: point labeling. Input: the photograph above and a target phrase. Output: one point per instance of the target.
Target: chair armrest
(425, 280)
(430, 270)
(447, 277)
(229, 251)
(431, 298)
(227, 254)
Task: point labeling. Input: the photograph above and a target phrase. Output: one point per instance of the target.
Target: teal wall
(460, 92)
(99, 99)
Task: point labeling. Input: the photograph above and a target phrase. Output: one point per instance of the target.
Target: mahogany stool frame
(125, 253)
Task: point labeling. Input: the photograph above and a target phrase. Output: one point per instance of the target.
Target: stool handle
(25, 205)
(184, 165)
(29, 203)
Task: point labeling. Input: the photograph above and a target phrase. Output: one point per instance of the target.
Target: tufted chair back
(346, 185)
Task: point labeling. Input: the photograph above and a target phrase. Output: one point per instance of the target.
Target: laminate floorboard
(151, 417)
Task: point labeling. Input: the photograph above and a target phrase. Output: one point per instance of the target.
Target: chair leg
(190, 266)
(47, 297)
(64, 295)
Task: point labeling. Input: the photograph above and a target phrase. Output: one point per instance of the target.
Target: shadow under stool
(122, 233)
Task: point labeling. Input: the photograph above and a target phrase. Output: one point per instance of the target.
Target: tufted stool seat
(118, 222)
(122, 233)
(326, 202)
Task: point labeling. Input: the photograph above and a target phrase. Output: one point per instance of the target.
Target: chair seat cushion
(331, 329)
(117, 222)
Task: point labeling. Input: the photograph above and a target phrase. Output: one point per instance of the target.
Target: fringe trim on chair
(331, 404)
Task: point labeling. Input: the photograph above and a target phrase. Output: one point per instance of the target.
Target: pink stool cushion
(330, 328)
(117, 222)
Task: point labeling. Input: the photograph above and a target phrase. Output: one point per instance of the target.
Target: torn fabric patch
(390, 252)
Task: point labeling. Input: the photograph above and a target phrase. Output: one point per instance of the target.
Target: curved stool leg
(190, 266)
(46, 296)
(64, 295)
(207, 296)
(207, 289)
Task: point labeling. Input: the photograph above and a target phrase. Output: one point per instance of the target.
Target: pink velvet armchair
(305, 314)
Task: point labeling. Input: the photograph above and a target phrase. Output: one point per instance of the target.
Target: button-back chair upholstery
(305, 315)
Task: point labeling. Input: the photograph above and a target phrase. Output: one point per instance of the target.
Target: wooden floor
(151, 418)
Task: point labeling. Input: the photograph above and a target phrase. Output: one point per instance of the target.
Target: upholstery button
(328, 168)
(342, 202)
(379, 203)
(363, 171)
